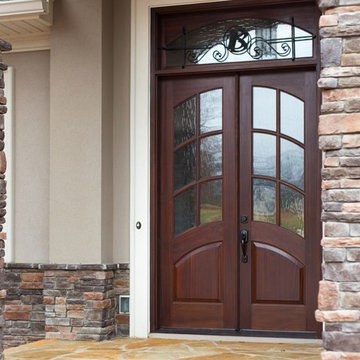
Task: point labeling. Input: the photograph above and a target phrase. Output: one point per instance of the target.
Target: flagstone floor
(161, 349)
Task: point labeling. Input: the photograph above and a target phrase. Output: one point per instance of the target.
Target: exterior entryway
(239, 203)
(236, 177)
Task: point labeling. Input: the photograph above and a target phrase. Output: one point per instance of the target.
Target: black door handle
(244, 238)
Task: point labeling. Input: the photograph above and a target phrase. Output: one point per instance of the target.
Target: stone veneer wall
(73, 302)
(4, 46)
(339, 130)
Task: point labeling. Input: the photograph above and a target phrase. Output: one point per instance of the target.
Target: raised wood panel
(278, 275)
(198, 275)
(197, 316)
(278, 317)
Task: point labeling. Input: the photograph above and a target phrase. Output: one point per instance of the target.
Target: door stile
(245, 156)
(230, 186)
(313, 183)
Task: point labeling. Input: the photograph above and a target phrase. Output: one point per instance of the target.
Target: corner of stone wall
(339, 131)
(4, 46)
(64, 301)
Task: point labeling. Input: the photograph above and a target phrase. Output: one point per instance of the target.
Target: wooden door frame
(155, 75)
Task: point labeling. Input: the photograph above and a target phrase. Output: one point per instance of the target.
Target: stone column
(4, 46)
(339, 130)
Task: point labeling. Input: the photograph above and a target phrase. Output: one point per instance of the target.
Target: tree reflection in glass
(292, 163)
(211, 156)
(264, 201)
(211, 111)
(292, 210)
(211, 201)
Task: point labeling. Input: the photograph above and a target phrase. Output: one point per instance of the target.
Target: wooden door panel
(279, 277)
(198, 256)
(198, 274)
(278, 174)
(278, 317)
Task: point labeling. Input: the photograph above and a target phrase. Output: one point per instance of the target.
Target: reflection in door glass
(292, 210)
(292, 116)
(264, 108)
(185, 121)
(264, 155)
(211, 156)
(184, 211)
(264, 201)
(211, 111)
(184, 165)
(211, 201)
(292, 163)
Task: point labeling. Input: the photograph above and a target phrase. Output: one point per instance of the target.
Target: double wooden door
(239, 229)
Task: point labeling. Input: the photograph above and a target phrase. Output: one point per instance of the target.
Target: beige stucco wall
(80, 129)
(121, 137)
(74, 125)
(31, 155)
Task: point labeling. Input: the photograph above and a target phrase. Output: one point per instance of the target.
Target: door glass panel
(211, 201)
(292, 210)
(211, 111)
(185, 121)
(292, 116)
(184, 165)
(211, 156)
(292, 163)
(264, 201)
(264, 155)
(264, 108)
(184, 211)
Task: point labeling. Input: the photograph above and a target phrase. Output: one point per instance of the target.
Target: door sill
(290, 337)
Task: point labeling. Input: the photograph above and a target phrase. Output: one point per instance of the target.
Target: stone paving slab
(161, 349)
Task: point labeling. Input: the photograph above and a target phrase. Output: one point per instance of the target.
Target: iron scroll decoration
(237, 40)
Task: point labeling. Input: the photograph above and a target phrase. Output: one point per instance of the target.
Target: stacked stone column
(4, 46)
(339, 130)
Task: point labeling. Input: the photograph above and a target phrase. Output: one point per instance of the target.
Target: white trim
(9, 226)
(236, 338)
(34, 42)
(140, 161)
(21, 7)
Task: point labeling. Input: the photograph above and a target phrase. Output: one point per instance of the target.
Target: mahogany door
(238, 203)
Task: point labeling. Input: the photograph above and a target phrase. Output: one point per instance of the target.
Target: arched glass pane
(264, 108)
(235, 40)
(211, 201)
(292, 116)
(184, 211)
(264, 154)
(184, 165)
(211, 156)
(185, 121)
(211, 111)
(264, 201)
(292, 210)
(292, 163)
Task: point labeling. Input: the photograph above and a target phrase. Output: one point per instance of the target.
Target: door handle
(244, 238)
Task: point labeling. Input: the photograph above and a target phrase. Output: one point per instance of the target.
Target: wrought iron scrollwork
(237, 40)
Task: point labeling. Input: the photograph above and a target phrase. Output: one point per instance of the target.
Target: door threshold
(214, 337)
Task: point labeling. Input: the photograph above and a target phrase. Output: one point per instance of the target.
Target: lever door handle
(244, 239)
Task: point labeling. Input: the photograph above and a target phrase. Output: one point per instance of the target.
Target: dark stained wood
(196, 267)
(231, 295)
(292, 285)
(278, 276)
(278, 317)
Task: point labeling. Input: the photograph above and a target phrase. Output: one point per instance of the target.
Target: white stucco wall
(31, 155)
